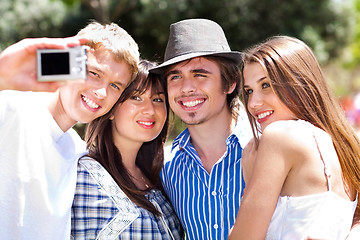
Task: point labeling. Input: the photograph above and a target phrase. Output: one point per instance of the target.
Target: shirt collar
(242, 130)
(182, 140)
(241, 133)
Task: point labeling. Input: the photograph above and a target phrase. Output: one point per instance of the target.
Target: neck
(59, 114)
(129, 152)
(209, 139)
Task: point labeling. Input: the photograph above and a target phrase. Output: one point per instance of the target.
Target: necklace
(141, 180)
(144, 181)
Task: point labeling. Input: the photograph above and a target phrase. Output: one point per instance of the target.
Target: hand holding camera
(18, 63)
(61, 64)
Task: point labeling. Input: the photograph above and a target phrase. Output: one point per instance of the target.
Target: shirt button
(213, 193)
(216, 226)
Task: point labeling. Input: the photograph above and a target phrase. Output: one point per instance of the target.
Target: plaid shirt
(101, 210)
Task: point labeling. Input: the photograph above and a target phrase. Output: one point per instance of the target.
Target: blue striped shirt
(206, 204)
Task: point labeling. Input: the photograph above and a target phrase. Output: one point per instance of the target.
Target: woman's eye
(114, 86)
(137, 98)
(265, 85)
(158, 99)
(248, 91)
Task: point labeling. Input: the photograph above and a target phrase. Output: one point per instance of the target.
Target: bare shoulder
(287, 135)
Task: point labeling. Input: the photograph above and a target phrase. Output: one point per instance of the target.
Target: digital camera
(61, 64)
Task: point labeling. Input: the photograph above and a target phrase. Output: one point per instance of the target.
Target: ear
(231, 88)
(111, 117)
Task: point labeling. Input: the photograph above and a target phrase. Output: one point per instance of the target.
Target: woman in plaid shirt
(119, 192)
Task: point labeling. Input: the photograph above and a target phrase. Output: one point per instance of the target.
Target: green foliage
(355, 45)
(25, 18)
(69, 3)
(324, 24)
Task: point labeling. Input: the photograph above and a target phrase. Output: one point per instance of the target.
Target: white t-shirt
(37, 169)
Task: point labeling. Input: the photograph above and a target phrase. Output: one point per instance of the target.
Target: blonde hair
(116, 40)
(297, 79)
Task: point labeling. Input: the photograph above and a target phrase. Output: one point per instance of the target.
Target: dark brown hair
(150, 158)
(230, 74)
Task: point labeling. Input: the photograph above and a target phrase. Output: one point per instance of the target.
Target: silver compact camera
(61, 64)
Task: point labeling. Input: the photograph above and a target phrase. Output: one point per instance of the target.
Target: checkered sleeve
(91, 208)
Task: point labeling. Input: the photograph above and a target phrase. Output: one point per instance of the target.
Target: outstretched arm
(18, 63)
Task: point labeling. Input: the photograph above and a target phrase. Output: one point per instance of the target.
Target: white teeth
(192, 103)
(90, 103)
(265, 114)
(146, 123)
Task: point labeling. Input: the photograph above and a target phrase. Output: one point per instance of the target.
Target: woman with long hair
(302, 172)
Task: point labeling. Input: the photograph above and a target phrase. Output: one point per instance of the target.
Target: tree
(355, 45)
(324, 24)
(24, 18)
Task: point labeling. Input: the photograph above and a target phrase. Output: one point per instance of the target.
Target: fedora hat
(195, 38)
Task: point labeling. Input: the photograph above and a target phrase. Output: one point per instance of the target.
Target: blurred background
(330, 27)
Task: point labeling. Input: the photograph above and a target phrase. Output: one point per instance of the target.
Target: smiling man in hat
(202, 175)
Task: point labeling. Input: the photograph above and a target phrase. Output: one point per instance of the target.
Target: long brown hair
(297, 79)
(99, 138)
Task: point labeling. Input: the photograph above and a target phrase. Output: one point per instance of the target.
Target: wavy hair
(114, 39)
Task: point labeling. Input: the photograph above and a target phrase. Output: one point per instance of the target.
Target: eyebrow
(259, 80)
(97, 69)
(172, 72)
(197, 70)
(157, 93)
(200, 70)
(120, 83)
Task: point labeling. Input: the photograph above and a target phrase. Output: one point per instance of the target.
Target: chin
(263, 126)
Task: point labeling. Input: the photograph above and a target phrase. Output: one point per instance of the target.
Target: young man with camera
(38, 147)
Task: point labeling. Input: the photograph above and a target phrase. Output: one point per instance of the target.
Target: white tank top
(322, 216)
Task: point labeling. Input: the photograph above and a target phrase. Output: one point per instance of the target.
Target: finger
(75, 41)
(31, 45)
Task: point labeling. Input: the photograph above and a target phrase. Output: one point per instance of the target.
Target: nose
(188, 85)
(100, 92)
(255, 101)
(148, 107)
